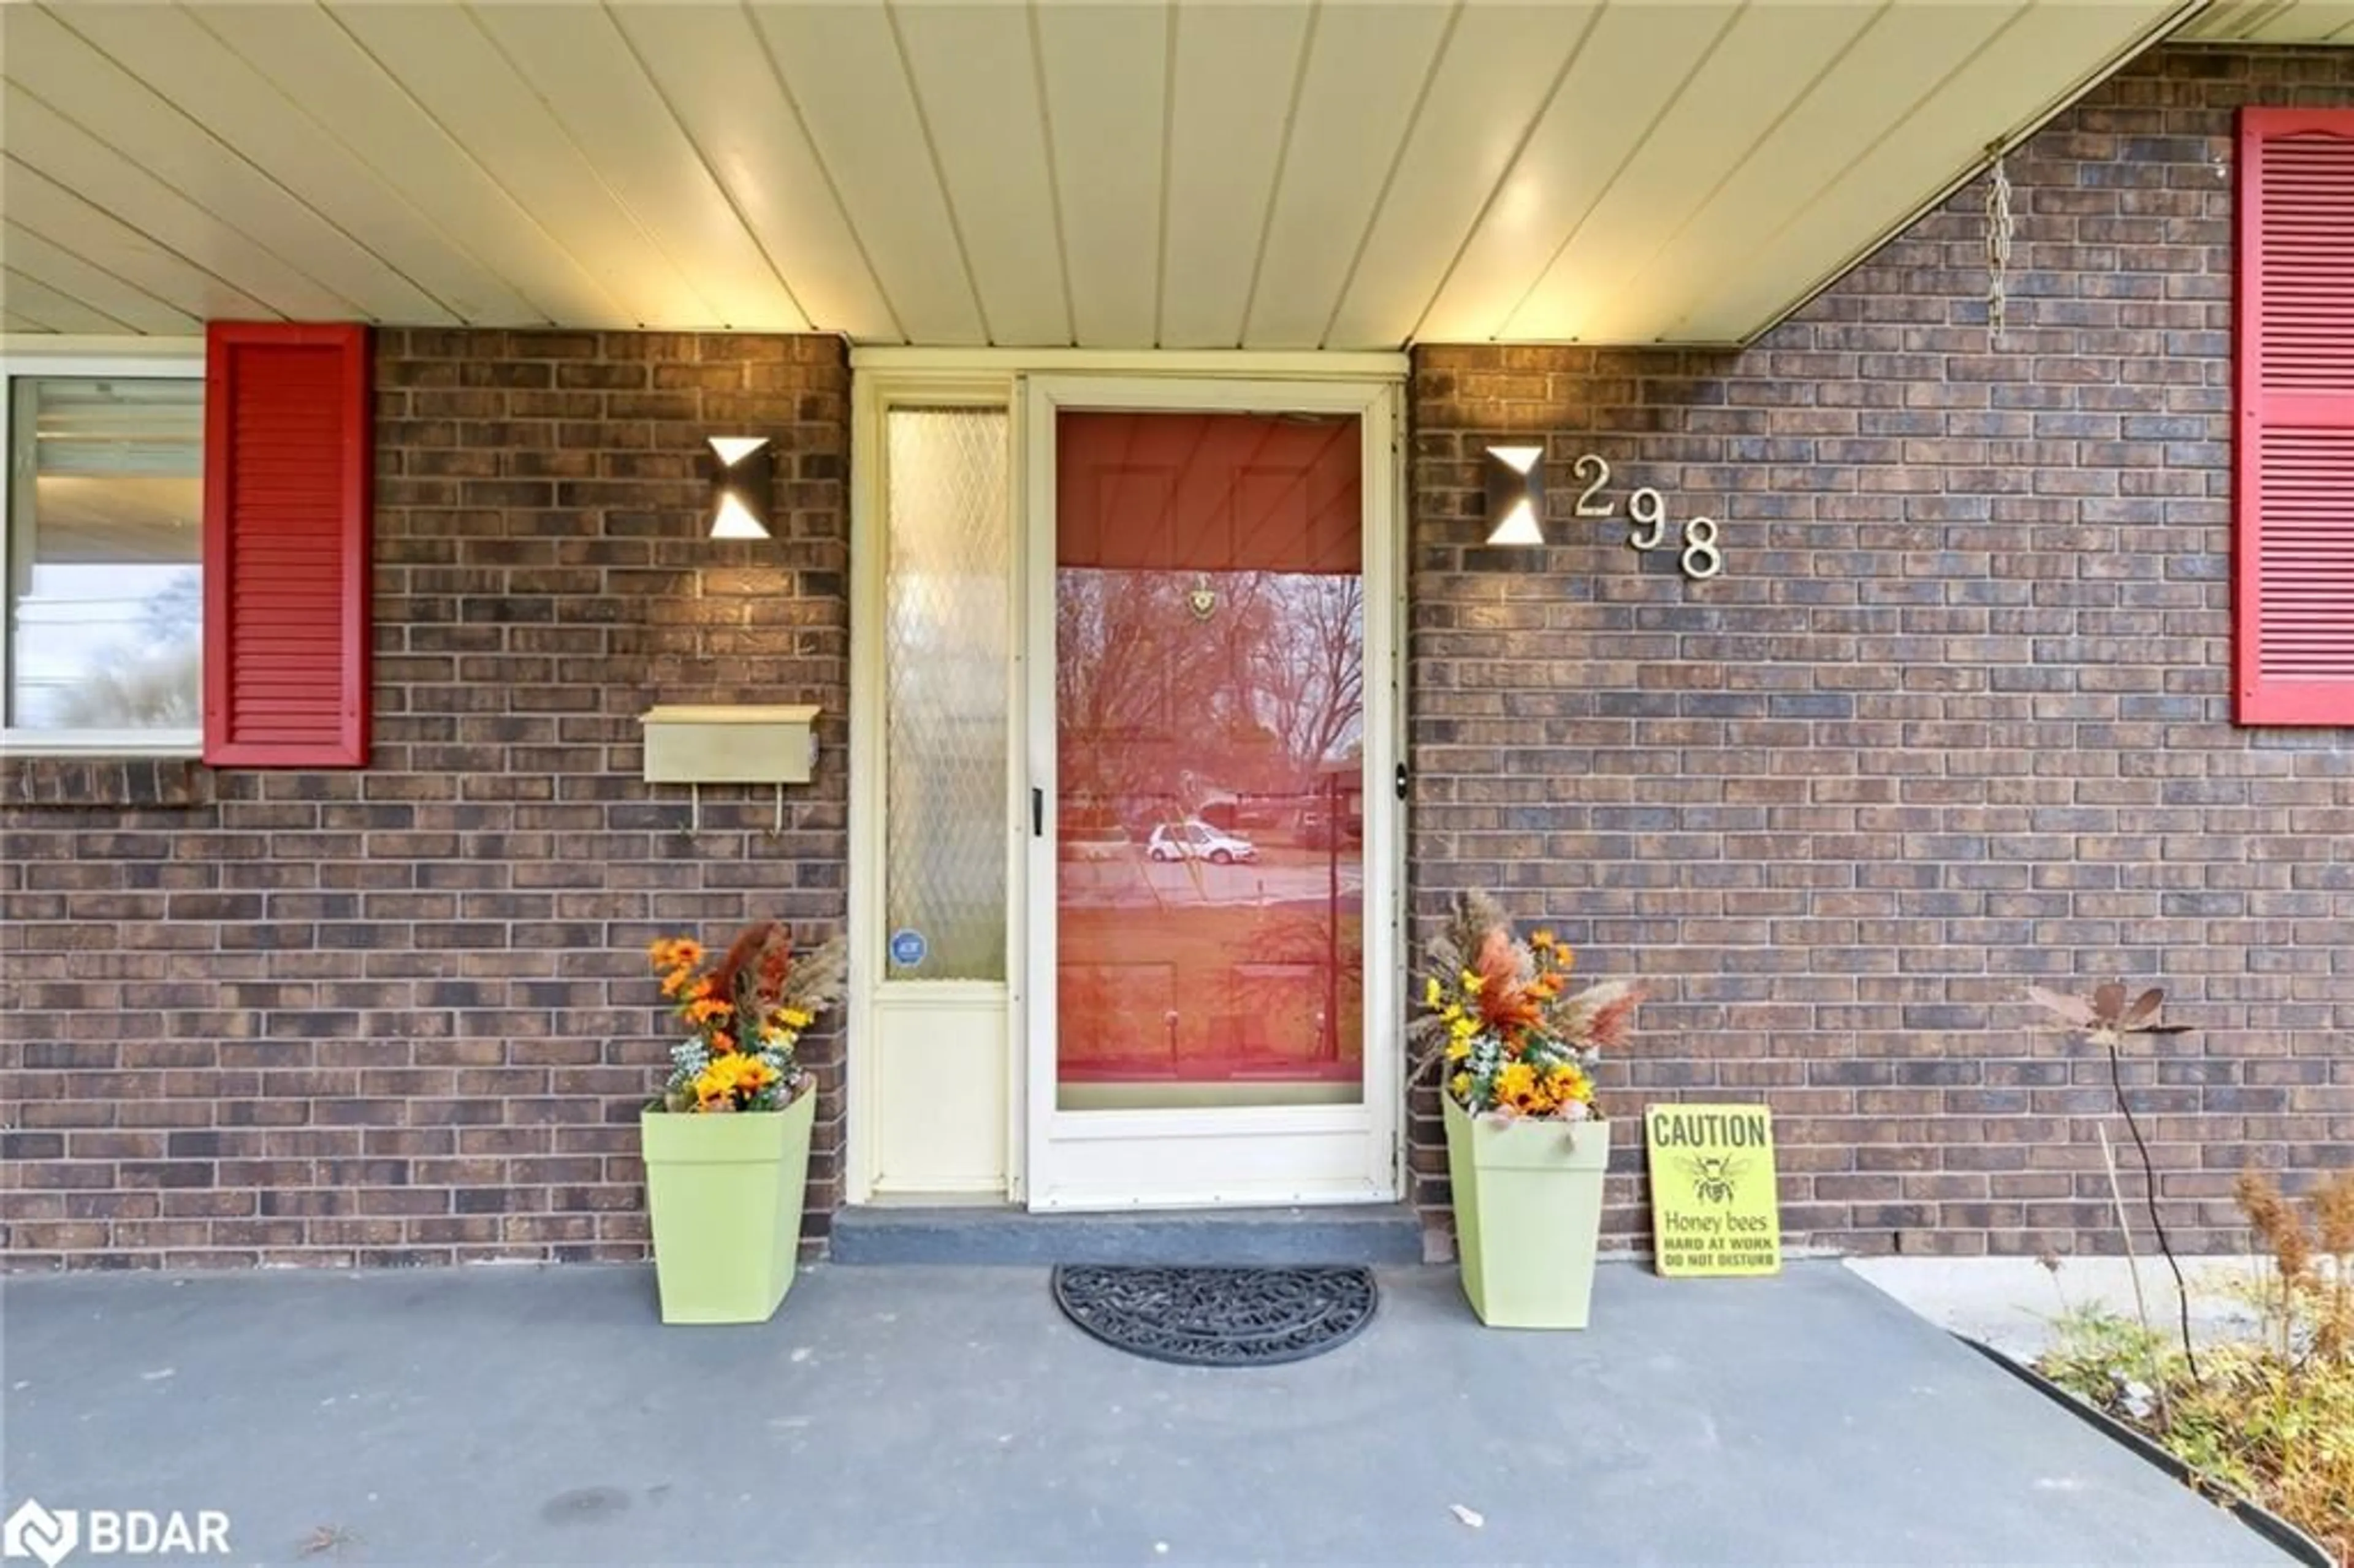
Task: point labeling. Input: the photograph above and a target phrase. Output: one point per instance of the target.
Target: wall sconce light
(743, 477)
(1515, 494)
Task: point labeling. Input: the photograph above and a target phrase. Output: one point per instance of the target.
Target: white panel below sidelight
(936, 1093)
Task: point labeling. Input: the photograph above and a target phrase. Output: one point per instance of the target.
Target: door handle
(1037, 814)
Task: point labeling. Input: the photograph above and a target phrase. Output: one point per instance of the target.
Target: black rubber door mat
(1217, 1316)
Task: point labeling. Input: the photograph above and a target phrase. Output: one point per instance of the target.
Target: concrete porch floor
(915, 1415)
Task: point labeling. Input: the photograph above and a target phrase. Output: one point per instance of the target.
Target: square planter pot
(724, 1196)
(1528, 1215)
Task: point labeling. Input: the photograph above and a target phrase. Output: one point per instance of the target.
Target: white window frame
(31, 357)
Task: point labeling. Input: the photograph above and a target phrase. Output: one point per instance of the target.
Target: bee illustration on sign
(1712, 1175)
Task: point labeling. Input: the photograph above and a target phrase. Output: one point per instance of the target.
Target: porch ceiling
(2273, 22)
(1278, 175)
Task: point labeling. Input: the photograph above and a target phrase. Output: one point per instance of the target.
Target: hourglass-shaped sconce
(743, 476)
(1515, 495)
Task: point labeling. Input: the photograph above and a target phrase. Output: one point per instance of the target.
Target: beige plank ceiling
(1105, 83)
(978, 91)
(2275, 22)
(1285, 174)
(240, 129)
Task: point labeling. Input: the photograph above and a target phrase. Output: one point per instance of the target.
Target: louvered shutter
(287, 492)
(2293, 567)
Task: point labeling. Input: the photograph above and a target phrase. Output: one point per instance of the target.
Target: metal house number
(1647, 513)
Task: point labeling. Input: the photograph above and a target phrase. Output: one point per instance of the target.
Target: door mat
(1217, 1316)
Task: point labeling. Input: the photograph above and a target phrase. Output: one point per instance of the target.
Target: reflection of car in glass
(1194, 839)
(1316, 829)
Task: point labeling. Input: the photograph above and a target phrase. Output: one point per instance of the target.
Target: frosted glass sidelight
(947, 640)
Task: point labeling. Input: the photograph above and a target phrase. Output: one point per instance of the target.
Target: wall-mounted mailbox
(730, 744)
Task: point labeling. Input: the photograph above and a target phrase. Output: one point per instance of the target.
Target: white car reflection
(1194, 839)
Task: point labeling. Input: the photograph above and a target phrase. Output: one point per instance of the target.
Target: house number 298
(1647, 513)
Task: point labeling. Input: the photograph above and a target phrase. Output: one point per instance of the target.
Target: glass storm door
(1207, 904)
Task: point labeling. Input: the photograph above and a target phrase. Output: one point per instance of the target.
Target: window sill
(71, 782)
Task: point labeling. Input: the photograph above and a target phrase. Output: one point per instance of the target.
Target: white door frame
(1024, 382)
(1120, 1159)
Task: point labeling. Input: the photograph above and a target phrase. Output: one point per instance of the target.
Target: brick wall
(403, 1016)
(1956, 718)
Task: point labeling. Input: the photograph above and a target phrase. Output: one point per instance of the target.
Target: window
(2294, 555)
(102, 533)
(186, 547)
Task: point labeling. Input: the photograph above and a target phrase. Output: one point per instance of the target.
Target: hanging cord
(1997, 244)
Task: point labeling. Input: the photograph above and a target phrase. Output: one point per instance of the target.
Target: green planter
(1528, 1215)
(724, 1194)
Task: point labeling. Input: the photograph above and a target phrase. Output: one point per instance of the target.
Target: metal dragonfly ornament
(2106, 1019)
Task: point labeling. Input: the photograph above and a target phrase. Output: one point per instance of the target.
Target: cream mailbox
(730, 744)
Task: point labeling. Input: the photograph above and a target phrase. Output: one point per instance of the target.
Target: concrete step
(1366, 1234)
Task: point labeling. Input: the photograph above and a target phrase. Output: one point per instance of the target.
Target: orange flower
(673, 982)
(669, 952)
(706, 1010)
(722, 1042)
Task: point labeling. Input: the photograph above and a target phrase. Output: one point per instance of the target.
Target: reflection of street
(1134, 879)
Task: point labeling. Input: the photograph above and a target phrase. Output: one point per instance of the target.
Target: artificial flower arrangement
(745, 1015)
(1499, 1012)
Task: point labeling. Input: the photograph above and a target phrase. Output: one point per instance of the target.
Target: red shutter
(2294, 571)
(287, 491)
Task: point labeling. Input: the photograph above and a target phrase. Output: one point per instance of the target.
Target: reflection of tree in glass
(156, 693)
(174, 612)
(151, 687)
(1251, 698)
(1310, 678)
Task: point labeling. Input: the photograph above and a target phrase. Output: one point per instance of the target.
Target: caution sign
(1714, 1205)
